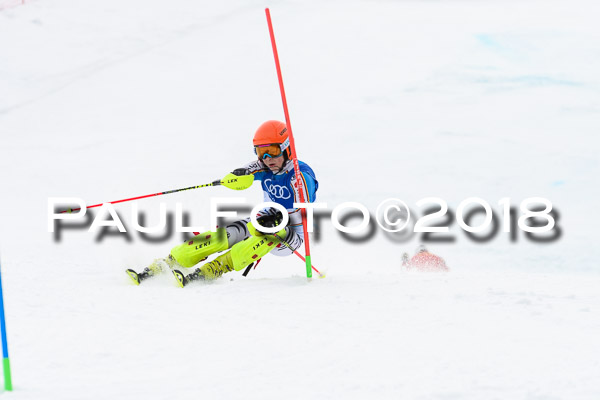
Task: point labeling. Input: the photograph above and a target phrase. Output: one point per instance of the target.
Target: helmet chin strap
(286, 161)
(281, 168)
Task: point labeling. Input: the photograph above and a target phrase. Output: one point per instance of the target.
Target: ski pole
(298, 254)
(230, 181)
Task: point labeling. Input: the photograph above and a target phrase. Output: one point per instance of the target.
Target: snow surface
(110, 99)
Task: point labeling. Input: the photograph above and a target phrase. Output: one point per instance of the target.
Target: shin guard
(200, 247)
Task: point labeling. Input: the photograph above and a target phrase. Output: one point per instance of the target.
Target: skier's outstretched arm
(255, 167)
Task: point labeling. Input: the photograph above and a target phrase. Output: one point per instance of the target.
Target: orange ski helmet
(273, 132)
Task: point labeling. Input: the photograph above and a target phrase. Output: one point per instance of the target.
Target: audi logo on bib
(277, 191)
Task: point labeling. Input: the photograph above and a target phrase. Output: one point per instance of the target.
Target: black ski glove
(267, 221)
(270, 220)
(240, 172)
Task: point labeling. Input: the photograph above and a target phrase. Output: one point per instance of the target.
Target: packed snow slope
(110, 99)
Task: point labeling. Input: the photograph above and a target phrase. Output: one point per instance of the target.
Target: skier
(424, 260)
(243, 243)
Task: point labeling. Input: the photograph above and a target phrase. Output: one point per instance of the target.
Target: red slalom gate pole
(298, 254)
(299, 187)
(312, 266)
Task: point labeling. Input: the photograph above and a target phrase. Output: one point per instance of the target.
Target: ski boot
(153, 269)
(183, 280)
(209, 271)
(137, 278)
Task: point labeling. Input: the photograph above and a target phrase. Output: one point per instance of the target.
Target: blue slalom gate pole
(5, 361)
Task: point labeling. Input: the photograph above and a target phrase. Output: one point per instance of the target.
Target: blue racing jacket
(280, 187)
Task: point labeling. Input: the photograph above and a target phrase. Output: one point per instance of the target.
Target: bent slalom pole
(298, 254)
(289, 247)
(5, 359)
(299, 187)
(230, 181)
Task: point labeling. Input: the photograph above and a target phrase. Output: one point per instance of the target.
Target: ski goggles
(268, 150)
